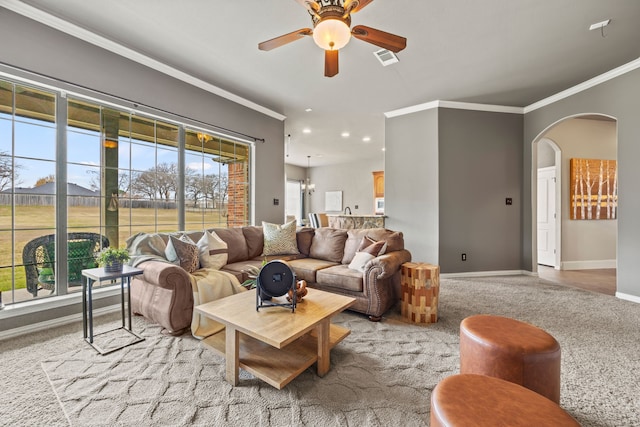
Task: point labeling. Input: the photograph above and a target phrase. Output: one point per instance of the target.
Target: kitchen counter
(356, 221)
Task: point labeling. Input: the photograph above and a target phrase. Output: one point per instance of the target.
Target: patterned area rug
(382, 374)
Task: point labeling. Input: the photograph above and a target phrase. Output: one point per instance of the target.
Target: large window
(97, 175)
(27, 186)
(216, 181)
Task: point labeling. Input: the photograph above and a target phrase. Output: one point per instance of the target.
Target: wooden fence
(50, 200)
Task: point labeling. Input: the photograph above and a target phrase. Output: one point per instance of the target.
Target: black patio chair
(38, 258)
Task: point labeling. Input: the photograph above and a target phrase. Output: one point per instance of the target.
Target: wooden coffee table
(275, 344)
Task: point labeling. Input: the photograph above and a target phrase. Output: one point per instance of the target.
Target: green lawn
(35, 221)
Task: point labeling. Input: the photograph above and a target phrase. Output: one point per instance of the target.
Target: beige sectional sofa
(164, 292)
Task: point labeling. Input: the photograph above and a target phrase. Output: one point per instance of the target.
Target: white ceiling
(503, 52)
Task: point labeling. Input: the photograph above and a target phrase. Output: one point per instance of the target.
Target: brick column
(238, 195)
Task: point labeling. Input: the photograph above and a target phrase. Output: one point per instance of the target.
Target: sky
(35, 151)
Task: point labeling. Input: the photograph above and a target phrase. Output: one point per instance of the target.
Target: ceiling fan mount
(332, 31)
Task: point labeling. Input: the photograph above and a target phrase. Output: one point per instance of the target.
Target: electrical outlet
(276, 202)
(464, 257)
(355, 207)
(509, 201)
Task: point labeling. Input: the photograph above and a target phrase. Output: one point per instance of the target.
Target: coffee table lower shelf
(275, 366)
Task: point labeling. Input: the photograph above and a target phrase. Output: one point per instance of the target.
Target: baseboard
(12, 333)
(588, 265)
(488, 273)
(627, 297)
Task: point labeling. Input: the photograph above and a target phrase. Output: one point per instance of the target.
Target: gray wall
(618, 98)
(354, 179)
(412, 182)
(479, 167)
(448, 173)
(295, 173)
(43, 50)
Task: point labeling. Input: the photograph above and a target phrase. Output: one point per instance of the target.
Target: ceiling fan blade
(379, 38)
(310, 5)
(361, 5)
(330, 63)
(284, 39)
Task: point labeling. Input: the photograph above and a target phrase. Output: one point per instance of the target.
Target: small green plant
(253, 272)
(110, 256)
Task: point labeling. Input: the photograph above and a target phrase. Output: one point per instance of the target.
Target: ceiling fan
(332, 31)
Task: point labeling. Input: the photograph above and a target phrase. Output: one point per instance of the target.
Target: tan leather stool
(512, 350)
(478, 400)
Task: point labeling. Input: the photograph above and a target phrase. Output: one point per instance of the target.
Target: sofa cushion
(360, 260)
(328, 244)
(146, 244)
(237, 244)
(279, 239)
(306, 268)
(304, 236)
(183, 252)
(372, 247)
(341, 277)
(241, 269)
(212, 251)
(255, 240)
(393, 239)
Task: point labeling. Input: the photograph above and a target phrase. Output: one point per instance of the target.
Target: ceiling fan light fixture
(331, 33)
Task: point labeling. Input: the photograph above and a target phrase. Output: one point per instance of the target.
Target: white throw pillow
(212, 251)
(280, 239)
(359, 261)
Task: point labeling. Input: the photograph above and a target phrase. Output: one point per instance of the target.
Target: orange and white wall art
(594, 189)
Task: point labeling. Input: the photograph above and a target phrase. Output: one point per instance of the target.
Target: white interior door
(547, 216)
(293, 202)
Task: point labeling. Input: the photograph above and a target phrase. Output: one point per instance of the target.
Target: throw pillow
(360, 260)
(183, 252)
(375, 248)
(280, 239)
(212, 251)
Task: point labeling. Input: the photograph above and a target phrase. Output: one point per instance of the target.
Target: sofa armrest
(388, 264)
(165, 275)
(163, 294)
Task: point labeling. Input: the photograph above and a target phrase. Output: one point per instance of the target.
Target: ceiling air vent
(386, 57)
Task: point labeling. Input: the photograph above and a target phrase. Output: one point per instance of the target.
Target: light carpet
(381, 375)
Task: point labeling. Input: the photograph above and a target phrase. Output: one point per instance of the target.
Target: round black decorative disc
(275, 279)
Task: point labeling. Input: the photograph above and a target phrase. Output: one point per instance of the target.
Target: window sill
(28, 307)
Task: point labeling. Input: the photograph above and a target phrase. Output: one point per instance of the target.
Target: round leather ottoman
(512, 350)
(478, 400)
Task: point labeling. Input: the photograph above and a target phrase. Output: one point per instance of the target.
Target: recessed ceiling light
(306, 130)
(308, 110)
(345, 134)
(366, 139)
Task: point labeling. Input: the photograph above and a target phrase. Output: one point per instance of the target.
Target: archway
(570, 137)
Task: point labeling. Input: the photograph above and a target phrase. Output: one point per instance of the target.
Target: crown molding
(602, 78)
(413, 109)
(481, 107)
(97, 40)
(455, 105)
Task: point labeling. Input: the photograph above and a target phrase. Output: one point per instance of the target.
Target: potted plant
(253, 272)
(112, 259)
